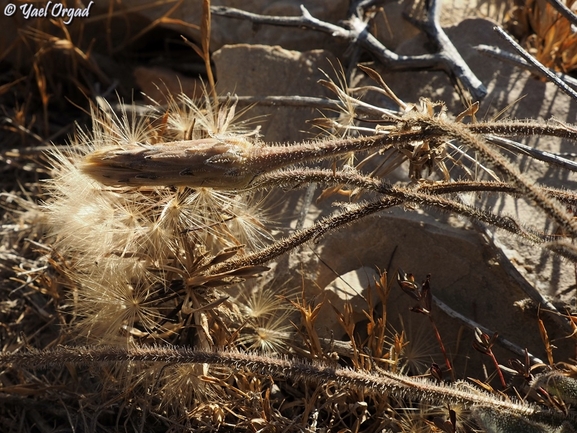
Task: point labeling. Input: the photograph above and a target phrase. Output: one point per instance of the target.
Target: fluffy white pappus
(267, 312)
(120, 241)
(121, 311)
(190, 120)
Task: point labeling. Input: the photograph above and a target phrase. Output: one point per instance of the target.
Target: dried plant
(424, 297)
(382, 383)
(144, 258)
(550, 38)
(137, 252)
(150, 223)
(484, 343)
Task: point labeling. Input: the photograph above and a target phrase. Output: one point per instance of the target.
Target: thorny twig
(333, 104)
(300, 237)
(426, 198)
(448, 59)
(384, 382)
(477, 143)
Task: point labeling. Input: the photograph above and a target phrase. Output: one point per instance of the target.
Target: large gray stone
(262, 70)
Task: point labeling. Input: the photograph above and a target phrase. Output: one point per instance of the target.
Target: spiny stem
(520, 128)
(268, 158)
(300, 237)
(227, 163)
(296, 176)
(382, 383)
(288, 178)
(503, 222)
(534, 193)
(467, 186)
(407, 195)
(563, 196)
(396, 197)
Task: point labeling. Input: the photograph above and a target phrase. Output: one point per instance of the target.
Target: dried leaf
(545, 338)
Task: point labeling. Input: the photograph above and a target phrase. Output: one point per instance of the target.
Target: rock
(465, 275)
(262, 70)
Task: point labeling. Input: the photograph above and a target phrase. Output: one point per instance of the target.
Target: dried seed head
(129, 246)
(206, 162)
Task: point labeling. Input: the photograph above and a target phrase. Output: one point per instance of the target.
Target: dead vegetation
(144, 287)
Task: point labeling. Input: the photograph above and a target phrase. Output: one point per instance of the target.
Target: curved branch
(448, 59)
(404, 194)
(301, 236)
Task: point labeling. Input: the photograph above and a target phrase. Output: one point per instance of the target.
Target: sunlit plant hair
(267, 325)
(131, 250)
(146, 238)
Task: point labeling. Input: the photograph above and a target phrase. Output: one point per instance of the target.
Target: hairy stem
(219, 163)
(526, 187)
(300, 237)
(382, 383)
(407, 195)
(268, 158)
(520, 128)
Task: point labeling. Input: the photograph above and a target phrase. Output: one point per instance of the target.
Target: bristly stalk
(477, 143)
(519, 128)
(425, 198)
(383, 383)
(268, 158)
(300, 237)
(221, 163)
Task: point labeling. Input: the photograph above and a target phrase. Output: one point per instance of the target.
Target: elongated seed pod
(227, 163)
(206, 162)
